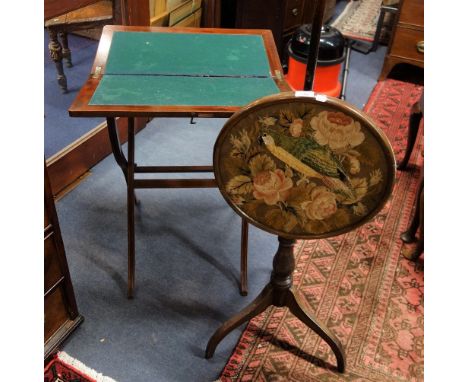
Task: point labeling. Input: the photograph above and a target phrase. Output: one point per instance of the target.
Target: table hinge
(97, 72)
(279, 75)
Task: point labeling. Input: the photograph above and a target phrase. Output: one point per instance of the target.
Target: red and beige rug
(63, 368)
(358, 284)
(358, 20)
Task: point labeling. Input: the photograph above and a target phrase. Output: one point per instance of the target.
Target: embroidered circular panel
(305, 166)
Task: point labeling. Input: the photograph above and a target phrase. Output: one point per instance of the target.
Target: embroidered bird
(306, 156)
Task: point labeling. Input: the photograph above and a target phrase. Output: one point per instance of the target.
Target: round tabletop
(303, 165)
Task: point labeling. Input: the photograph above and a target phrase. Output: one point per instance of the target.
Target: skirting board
(70, 163)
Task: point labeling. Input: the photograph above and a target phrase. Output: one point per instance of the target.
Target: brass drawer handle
(420, 46)
(295, 11)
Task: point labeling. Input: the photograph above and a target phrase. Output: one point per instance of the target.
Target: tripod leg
(297, 307)
(261, 302)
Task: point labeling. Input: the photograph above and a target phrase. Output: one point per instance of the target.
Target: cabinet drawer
(55, 313)
(293, 14)
(405, 41)
(412, 12)
(52, 271)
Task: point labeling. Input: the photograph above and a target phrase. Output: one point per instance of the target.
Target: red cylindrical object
(331, 54)
(296, 74)
(326, 79)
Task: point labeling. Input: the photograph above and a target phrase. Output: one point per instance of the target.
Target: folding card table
(175, 72)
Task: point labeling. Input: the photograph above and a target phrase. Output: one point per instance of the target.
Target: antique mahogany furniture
(417, 221)
(175, 72)
(282, 17)
(407, 41)
(61, 315)
(300, 166)
(92, 15)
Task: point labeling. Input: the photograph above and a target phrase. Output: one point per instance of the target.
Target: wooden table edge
(81, 108)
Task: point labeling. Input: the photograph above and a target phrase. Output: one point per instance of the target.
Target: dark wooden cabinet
(282, 17)
(61, 315)
(407, 41)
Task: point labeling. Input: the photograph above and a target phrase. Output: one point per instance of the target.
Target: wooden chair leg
(413, 128)
(409, 236)
(55, 50)
(419, 218)
(420, 246)
(66, 52)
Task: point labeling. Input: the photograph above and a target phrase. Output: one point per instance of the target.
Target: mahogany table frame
(82, 108)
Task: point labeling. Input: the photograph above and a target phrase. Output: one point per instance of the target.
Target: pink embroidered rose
(336, 130)
(271, 186)
(295, 128)
(322, 204)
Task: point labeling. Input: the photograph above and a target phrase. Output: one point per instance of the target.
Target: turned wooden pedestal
(280, 292)
(279, 165)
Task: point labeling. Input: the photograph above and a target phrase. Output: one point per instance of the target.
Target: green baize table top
(191, 69)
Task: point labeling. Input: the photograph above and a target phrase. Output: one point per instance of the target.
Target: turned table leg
(66, 52)
(55, 50)
(413, 127)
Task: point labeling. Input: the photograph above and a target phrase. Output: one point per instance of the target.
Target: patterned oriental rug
(63, 368)
(358, 21)
(358, 284)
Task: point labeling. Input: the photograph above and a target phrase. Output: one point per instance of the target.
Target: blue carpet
(187, 270)
(59, 129)
(187, 245)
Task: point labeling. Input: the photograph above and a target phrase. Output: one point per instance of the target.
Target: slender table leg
(244, 252)
(279, 292)
(117, 149)
(413, 127)
(414, 253)
(116, 146)
(131, 207)
(409, 236)
(420, 245)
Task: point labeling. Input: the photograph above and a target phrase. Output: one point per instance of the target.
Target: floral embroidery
(336, 130)
(303, 171)
(271, 186)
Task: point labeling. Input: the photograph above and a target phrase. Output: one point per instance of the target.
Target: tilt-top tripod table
(301, 166)
(175, 72)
